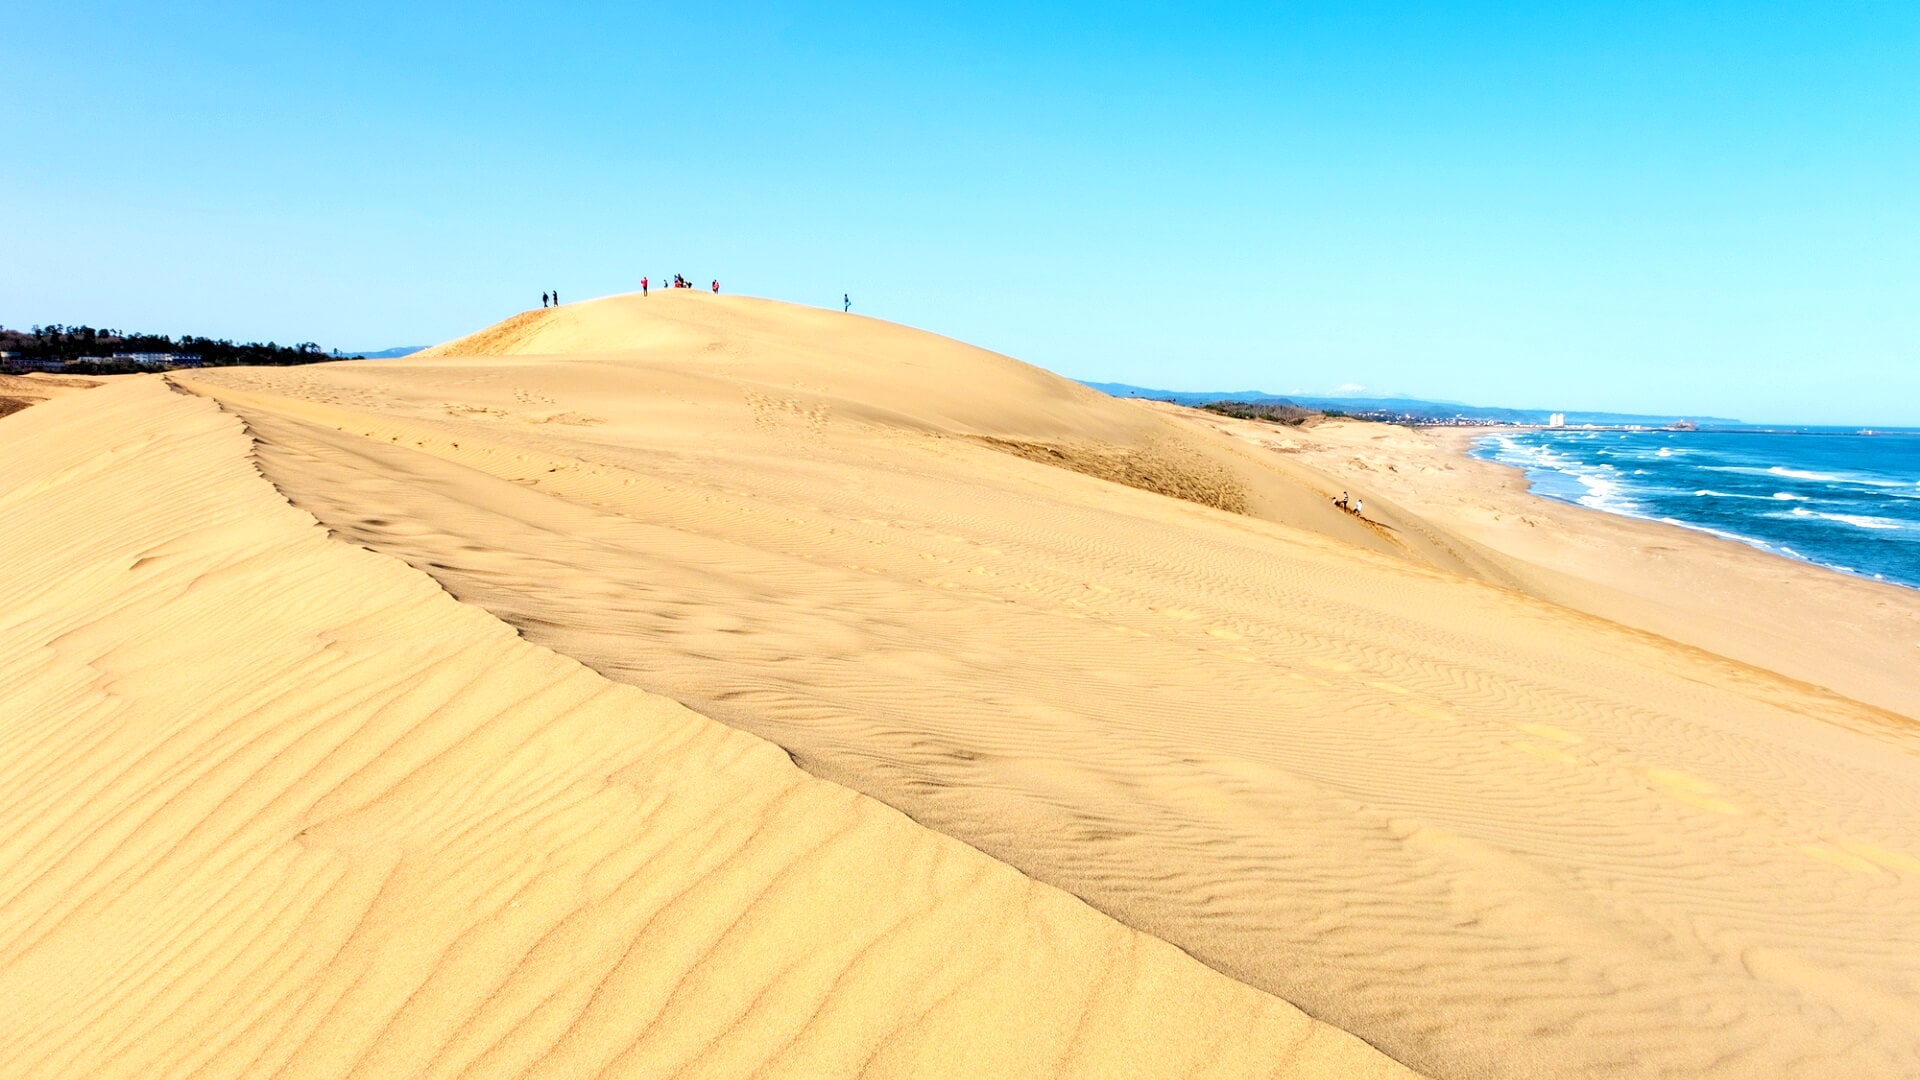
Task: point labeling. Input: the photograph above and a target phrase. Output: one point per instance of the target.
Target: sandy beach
(701, 684)
(1857, 637)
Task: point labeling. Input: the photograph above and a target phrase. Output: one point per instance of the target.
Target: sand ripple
(1489, 834)
(274, 805)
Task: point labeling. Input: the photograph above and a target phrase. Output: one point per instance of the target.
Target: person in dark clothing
(556, 298)
(716, 286)
(643, 286)
(846, 302)
(543, 299)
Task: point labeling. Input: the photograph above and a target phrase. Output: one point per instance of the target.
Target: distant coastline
(1415, 411)
(1835, 498)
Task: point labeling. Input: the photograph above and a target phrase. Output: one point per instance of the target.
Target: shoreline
(1436, 776)
(1470, 447)
(1843, 632)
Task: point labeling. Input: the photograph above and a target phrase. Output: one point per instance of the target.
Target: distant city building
(155, 359)
(13, 361)
(1558, 419)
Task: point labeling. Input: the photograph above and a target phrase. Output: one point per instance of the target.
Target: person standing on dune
(643, 286)
(716, 286)
(846, 302)
(556, 298)
(543, 299)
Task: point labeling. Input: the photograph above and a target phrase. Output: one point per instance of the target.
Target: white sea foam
(1808, 475)
(1577, 482)
(1858, 521)
(1837, 478)
(1863, 521)
(1558, 469)
(1805, 474)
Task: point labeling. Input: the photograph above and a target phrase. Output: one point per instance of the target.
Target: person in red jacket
(643, 286)
(716, 286)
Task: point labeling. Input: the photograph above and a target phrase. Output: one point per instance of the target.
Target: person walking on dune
(846, 302)
(643, 286)
(716, 286)
(556, 298)
(543, 299)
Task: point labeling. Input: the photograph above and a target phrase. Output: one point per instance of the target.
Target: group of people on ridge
(679, 282)
(1351, 507)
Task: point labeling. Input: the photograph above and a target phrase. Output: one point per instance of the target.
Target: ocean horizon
(1844, 498)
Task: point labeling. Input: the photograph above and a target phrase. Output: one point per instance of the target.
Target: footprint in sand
(1689, 789)
(1223, 633)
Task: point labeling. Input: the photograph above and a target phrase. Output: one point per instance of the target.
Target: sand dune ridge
(1359, 766)
(276, 805)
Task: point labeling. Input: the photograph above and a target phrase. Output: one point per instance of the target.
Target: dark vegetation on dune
(72, 344)
(1278, 413)
(1163, 468)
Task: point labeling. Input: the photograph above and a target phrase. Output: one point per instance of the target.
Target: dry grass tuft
(1162, 468)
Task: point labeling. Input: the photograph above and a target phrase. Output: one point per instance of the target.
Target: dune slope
(19, 391)
(1852, 635)
(275, 805)
(1493, 836)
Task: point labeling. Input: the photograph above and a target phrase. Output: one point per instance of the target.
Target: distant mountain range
(1399, 408)
(383, 354)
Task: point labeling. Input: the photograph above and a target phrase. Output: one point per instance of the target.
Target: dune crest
(276, 805)
(1345, 762)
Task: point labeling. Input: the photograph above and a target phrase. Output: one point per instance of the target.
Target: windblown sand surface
(1382, 769)
(276, 805)
(19, 391)
(1858, 637)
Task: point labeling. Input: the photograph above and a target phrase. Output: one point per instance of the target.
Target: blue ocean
(1844, 499)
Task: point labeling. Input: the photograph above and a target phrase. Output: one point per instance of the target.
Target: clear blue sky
(1706, 208)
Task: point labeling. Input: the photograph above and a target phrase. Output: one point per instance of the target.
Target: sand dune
(1356, 764)
(19, 391)
(276, 805)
